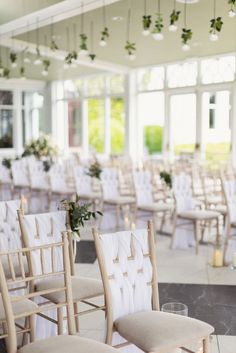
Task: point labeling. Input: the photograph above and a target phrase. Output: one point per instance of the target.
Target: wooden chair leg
(60, 321)
(173, 231)
(76, 311)
(25, 335)
(32, 327)
(205, 345)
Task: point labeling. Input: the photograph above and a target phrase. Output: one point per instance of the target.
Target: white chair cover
(10, 238)
(83, 182)
(182, 189)
(20, 174)
(143, 188)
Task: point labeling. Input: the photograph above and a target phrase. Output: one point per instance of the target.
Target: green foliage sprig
(158, 24)
(46, 64)
(13, 57)
(53, 45)
(41, 147)
(6, 162)
(104, 34)
(174, 16)
(147, 21)
(22, 71)
(92, 56)
(232, 2)
(167, 178)
(6, 73)
(186, 35)
(130, 47)
(95, 170)
(216, 24)
(47, 164)
(71, 57)
(78, 214)
(83, 42)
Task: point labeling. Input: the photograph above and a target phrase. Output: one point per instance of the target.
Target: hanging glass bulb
(83, 52)
(231, 13)
(186, 47)
(131, 57)
(173, 28)
(45, 72)
(158, 36)
(27, 60)
(102, 43)
(146, 32)
(14, 64)
(213, 36)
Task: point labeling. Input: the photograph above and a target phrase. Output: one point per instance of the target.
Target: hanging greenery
(147, 21)
(22, 71)
(216, 24)
(232, 2)
(83, 42)
(78, 214)
(53, 45)
(158, 24)
(46, 64)
(130, 48)
(92, 56)
(232, 10)
(71, 57)
(6, 162)
(167, 178)
(6, 73)
(104, 34)
(174, 17)
(186, 36)
(13, 59)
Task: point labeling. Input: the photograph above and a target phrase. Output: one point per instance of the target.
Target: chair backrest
(37, 175)
(5, 175)
(83, 182)
(143, 187)
(58, 178)
(20, 173)
(127, 262)
(110, 183)
(182, 190)
(7, 283)
(229, 189)
(10, 238)
(42, 229)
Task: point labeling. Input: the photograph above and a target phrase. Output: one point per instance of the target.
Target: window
(181, 75)
(218, 70)
(32, 115)
(96, 124)
(117, 84)
(95, 86)
(74, 123)
(183, 122)
(117, 125)
(151, 79)
(216, 129)
(6, 119)
(151, 108)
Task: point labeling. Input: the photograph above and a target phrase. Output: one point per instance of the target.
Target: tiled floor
(174, 266)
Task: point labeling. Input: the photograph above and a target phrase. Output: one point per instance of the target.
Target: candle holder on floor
(217, 259)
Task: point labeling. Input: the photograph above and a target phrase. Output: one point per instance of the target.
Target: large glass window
(218, 70)
(117, 125)
(151, 79)
(32, 115)
(95, 86)
(151, 108)
(6, 119)
(74, 123)
(181, 75)
(183, 122)
(216, 125)
(96, 124)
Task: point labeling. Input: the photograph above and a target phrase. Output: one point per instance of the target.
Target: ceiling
(149, 51)
(12, 9)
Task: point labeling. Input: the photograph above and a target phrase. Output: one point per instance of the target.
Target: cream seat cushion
(153, 331)
(82, 288)
(21, 307)
(155, 207)
(68, 344)
(121, 200)
(199, 214)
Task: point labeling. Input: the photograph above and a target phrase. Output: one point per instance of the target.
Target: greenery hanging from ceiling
(158, 27)
(105, 32)
(146, 21)
(232, 10)
(216, 24)
(130, 47)
(174, 17)
(187, 33)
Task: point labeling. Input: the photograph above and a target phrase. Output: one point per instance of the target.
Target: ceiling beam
(56, 13)
(20, 45)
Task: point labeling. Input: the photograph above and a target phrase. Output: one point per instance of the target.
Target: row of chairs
(128, 267)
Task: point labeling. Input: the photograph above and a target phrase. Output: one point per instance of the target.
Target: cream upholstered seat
(199, 214)
(120, 200)
(19, 308)
(153, 331)
(82, 288)
(68, 344)
(127, 262)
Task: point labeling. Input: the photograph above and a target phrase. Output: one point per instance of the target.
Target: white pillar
(167, 128)
(199, 123)
(85, 132)
(17, 122)
(131, 116)
(233, 124)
